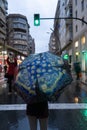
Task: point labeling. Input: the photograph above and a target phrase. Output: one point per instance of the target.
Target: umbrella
(41, 74)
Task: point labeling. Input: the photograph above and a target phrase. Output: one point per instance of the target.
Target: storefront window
(83, 40)
(76, 44)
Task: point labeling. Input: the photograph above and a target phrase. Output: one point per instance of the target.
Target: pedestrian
(66, 66)
(12, 64)
(77, 69)
(37, 111)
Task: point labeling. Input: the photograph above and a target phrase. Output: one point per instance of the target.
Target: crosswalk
(54, 106)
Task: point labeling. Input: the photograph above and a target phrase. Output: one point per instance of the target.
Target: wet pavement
(68, 113)
(58, 120)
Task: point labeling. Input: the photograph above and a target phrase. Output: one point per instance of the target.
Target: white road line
(56, 106)
(68, 106)
(8, 107)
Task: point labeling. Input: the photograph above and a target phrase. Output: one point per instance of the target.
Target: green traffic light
(36, 19)
(66, 56)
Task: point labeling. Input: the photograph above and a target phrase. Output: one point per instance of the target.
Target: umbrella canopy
(46, 69)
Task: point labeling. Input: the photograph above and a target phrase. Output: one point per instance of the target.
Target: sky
(46, 9)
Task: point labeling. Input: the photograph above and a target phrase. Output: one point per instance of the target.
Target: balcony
(68, 3)
(69, 37)
(69, 12)
(20, 36)
(3, 31)
(20, 42)
(68, 15)
(6, 5)
(2, 17)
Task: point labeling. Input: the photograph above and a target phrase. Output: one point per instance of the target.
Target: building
(72, 31)
(18, 32)
(64, 28)
(80, 33)
(56, 29)
(3, 13)
(31, 45)
(52, 44)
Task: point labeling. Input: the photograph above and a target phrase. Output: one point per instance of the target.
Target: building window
(70, 11)
(76, 13)
(76, 28)
(83, 40)
(76, 44)
(75, 2)
(82, 5)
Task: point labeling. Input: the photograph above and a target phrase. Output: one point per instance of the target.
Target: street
(43, 56)
(68, 113)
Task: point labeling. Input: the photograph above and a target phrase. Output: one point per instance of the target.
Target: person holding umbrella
(44, 78)
(37, 111)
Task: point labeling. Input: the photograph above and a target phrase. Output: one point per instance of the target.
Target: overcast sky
(46, 8)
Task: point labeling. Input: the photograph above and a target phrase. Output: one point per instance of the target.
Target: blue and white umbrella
(46, 68)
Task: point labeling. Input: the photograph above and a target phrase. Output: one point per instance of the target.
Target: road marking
(56, 106)
(68, 106)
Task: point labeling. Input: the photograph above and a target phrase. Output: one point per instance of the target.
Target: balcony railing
(2, 17)
(69, 37)
(69, 2)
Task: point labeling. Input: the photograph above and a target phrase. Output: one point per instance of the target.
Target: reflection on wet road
(70, 112)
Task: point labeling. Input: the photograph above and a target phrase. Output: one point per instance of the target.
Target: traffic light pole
(65, 18)
(37, 19)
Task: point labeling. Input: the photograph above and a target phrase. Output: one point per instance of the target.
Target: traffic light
(66, 57)
(36, 19)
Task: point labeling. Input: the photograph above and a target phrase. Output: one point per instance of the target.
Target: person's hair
(10, 53)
